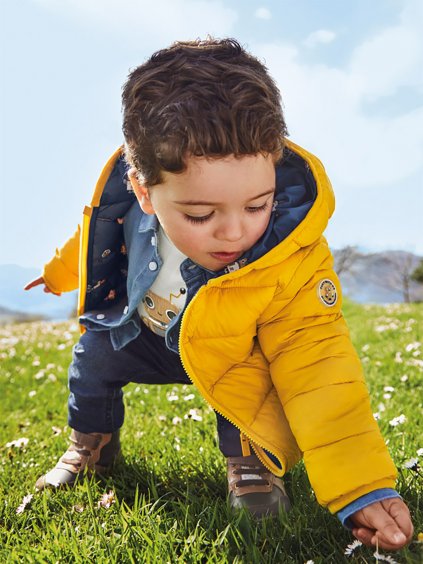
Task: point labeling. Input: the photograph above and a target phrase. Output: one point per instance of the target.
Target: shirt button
(105, 253)
(100, 316)
(152, 265)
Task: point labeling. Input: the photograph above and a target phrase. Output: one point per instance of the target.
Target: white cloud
(157, 21)
(326, 107)
(263, 14)
(389, 60)
(320, 36)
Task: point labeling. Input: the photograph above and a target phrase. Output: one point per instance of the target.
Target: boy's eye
(204, 218)
(198, 219)
(254, 209)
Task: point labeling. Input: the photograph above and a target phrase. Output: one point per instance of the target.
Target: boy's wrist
(344, 515)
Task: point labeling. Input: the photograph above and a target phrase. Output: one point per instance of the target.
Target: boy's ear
(141, 192)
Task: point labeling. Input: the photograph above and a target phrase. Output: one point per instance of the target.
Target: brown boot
(93, 451)
(254, 487)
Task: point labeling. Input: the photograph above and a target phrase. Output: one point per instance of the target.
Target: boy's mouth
(226, 257)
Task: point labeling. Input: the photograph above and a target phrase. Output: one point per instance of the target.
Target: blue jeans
(98, 373)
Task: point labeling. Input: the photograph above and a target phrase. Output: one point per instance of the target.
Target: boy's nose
(230, 230)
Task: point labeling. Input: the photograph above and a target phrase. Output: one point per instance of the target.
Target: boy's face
(216, 210)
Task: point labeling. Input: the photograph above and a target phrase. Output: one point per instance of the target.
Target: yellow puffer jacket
(268, 348)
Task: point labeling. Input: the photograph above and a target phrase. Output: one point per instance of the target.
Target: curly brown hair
(199, 98)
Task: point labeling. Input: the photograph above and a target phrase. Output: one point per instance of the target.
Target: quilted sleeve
(61, 273)
(319, 381)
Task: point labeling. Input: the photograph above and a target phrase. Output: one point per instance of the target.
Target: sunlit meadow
(166, 500)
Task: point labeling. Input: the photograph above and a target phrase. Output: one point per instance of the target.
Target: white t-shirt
(167, 295)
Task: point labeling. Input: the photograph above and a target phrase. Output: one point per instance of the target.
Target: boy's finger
(31, 285)
(387, 530)
(35, 282)
(48, 291)
(364, 535)
(371, 539)
(381, 542)
(391, 534)
(401, 514)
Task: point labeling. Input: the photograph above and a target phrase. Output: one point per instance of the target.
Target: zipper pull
(245, 445)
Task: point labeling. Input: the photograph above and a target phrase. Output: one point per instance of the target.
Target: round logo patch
(326, 290)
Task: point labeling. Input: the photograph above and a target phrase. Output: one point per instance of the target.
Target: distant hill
(377, 277)
(10, 316)
(33, 302)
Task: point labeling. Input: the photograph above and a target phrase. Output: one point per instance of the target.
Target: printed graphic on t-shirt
(159, 311)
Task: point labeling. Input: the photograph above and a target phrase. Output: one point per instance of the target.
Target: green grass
(170, 488)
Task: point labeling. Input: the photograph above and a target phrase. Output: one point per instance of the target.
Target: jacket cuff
(377, 495)
(58, 277)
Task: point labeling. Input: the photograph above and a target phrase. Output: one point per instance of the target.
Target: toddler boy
(201, 259)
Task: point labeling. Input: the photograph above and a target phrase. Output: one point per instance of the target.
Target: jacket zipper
(252, 442)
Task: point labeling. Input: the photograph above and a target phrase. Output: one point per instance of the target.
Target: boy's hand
(385, 522)
(39, 281)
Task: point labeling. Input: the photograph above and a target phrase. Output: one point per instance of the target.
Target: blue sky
(351, 78)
